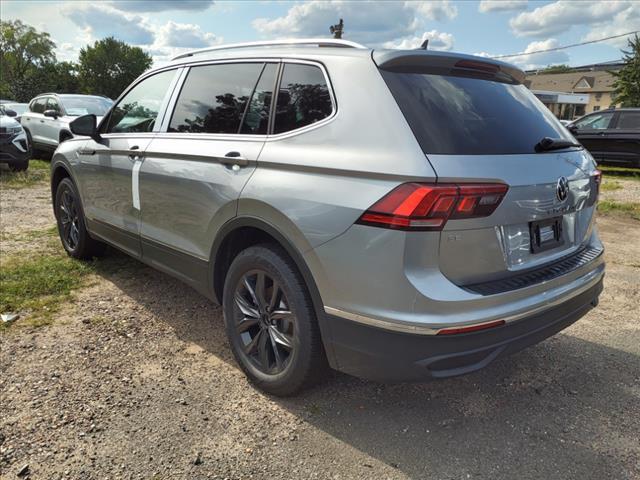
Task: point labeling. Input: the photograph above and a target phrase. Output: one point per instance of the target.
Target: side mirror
(86, 125)
(10, 113)
(572, 128)
(51, 114)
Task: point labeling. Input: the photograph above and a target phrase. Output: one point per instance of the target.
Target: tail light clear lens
(597, 180)
(423, 206)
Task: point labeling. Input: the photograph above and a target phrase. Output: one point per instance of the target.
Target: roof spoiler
(445, 63)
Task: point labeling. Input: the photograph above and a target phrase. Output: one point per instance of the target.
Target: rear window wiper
(548, 143)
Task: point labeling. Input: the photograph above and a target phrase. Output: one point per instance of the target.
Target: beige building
(596, 86)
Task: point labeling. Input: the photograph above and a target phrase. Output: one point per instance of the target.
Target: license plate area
(546, 234)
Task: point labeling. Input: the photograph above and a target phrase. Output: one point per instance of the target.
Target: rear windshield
(470, 116)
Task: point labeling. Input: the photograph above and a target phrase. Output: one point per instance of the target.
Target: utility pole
(337, 30)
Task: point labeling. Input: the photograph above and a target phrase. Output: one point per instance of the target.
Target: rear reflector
(424, 206)
(470, 328)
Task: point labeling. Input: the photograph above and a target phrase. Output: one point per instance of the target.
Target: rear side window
(598, 121)
(629, 121)
(303, 97)
(214, 98)
(38, 105)
(470, 116)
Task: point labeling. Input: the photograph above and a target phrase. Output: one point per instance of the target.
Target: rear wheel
(270, 321)
(71, 225)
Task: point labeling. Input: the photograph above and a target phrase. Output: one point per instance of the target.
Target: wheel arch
(240, 233)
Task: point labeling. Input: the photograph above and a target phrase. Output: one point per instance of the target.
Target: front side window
(138, 109)
(303, 97)
(52, 104)
(214, 98)
(598, 121)
(38, 105)
(629, 121)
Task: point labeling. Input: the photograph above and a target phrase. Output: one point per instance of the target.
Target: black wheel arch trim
(260, 224)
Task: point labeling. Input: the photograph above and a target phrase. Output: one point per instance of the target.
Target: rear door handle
(234, 158)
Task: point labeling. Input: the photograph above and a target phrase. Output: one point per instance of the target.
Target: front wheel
(71, 225)
(270, 321)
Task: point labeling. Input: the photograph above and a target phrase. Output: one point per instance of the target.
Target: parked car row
(42, 124)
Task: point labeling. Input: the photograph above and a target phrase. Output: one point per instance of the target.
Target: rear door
(622, 139)
(476, 130)
(51, 126)
(109, 166)
(33, 120)
(591, 132)
(195, 169)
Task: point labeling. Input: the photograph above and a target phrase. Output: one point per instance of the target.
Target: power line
(565, 46)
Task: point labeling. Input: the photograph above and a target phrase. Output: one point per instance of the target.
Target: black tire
(19, 166)
(283, 371)
(71, 224)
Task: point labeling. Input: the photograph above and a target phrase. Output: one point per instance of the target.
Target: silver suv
(396, 215)
(47, 120)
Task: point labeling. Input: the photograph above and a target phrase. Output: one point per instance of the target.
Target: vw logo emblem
(562, 189)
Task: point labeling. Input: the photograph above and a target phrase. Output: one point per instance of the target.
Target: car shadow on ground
(556, 410)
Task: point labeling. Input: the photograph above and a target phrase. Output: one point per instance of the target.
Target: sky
(484, 27)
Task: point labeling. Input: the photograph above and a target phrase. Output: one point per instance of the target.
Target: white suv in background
(47, 120)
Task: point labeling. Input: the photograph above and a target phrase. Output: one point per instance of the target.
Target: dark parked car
(612, 136)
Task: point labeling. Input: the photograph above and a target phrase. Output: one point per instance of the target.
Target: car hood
(6, 121)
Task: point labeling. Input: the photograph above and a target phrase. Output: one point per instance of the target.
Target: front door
(109, 166)
(591, 132)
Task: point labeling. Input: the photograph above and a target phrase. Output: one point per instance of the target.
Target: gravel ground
(135, 380)
(629, 191)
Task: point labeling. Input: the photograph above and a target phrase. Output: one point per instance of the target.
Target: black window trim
(281, 61)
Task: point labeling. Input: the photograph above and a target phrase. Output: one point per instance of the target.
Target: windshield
(471, 116)
(19, 108)
(76, 106)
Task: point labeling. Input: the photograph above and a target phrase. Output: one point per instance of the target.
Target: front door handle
(133, 154)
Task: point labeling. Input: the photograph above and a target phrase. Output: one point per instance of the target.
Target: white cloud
(373, 23)
(186, 35)
(487, 6)
(437, 41)
(628, 20)
(160, 5)
(531, 60)
(103, 21)
(560, 16)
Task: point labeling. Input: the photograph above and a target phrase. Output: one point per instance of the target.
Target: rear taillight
(423, 206)
(596, 175)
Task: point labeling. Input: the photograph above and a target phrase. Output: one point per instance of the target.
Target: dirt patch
(135, 380)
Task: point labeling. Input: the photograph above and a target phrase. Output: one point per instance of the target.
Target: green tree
(627, 83)
(556, 69)
(24, 53)
(109, 66)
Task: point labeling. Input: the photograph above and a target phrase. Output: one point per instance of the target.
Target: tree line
(29, 67)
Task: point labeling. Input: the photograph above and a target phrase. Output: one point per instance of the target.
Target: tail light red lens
(597, 180)
(470, 328)
(423, 206)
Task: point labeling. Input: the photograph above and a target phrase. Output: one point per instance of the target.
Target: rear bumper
(384, 355)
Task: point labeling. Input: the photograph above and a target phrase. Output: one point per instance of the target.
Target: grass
(609, 185)
(624, 208)
(627, 173)
(37, 172)
(39, 283)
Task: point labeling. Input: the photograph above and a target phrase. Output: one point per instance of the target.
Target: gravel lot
(134, 379)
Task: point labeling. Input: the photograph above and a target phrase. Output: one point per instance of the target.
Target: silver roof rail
(320, 42)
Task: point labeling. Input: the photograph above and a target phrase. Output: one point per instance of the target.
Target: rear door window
(472, 116)
(256, 118)
(629, 121)
(598, 121)
(303, 97)
(214, 98)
